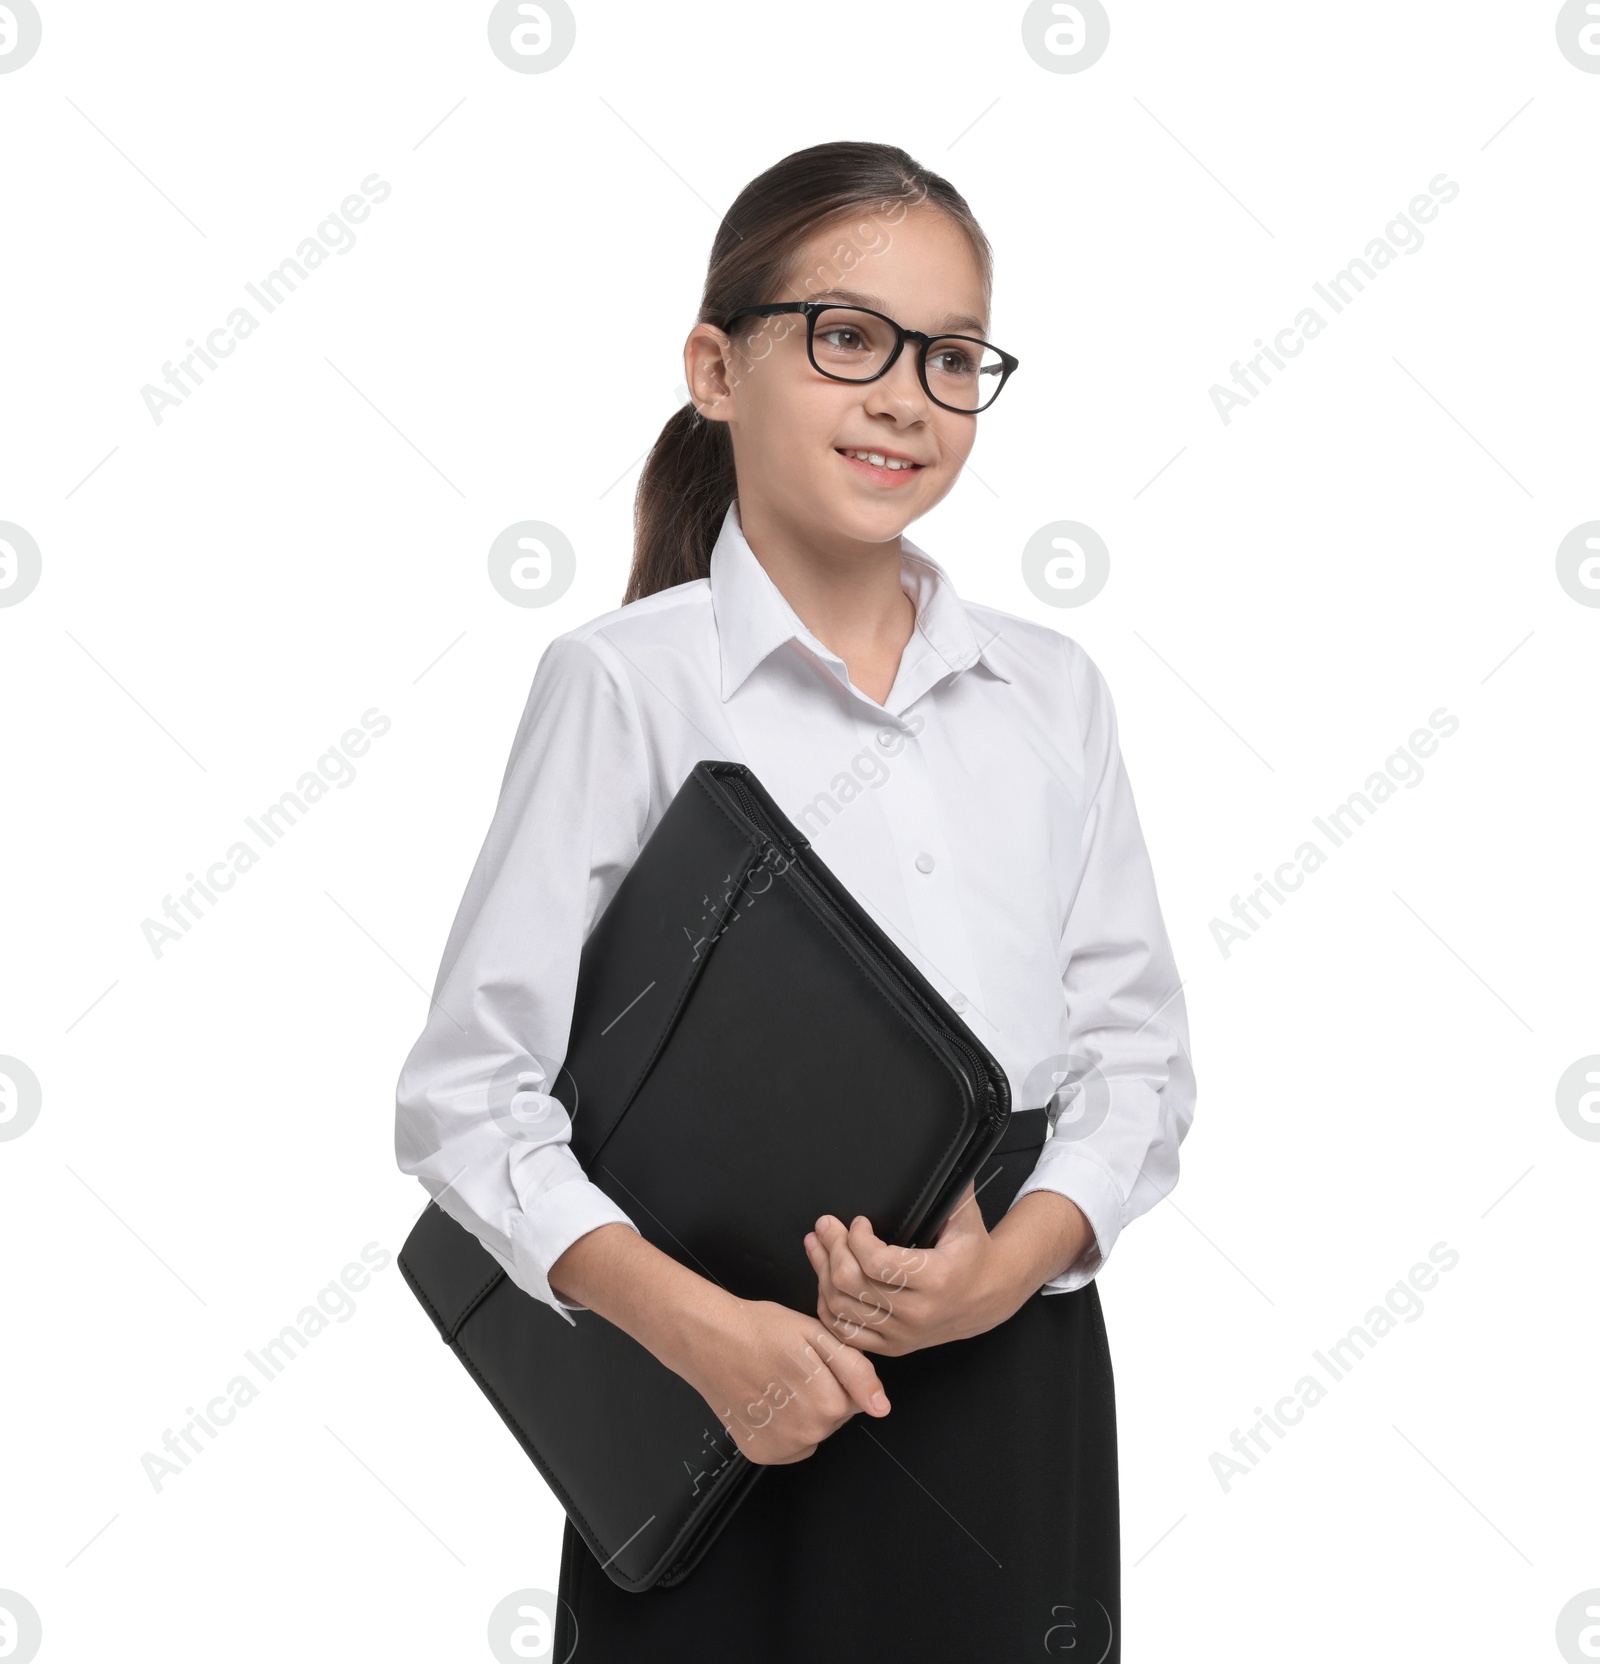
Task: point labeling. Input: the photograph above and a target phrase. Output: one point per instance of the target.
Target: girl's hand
(880, 1298)
(779, 1381)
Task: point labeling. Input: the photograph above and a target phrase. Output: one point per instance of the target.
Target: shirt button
(886, 736)
(924, 862)
(958, 1001)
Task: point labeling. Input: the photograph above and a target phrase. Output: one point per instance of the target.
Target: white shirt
(981, 814)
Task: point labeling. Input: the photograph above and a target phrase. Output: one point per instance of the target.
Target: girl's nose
(899, 390)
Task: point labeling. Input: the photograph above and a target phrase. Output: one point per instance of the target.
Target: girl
(944, 1478)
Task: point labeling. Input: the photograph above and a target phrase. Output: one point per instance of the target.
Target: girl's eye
(952, 361)
(842, 340)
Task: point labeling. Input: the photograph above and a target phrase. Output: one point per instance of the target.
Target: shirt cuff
(561, 1215)
(1081, 1179)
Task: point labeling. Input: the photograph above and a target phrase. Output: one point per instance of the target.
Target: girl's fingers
(846, 1314)
(859, 1259)
(836, 1266)
(889, 1269)
(851, 1318)
(855, 1374)
(836, 1243)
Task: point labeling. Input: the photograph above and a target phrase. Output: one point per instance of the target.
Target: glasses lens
(852, 345)
(963, 373)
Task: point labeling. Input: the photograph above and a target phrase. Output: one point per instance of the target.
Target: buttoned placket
(910, 809)
(941, 645)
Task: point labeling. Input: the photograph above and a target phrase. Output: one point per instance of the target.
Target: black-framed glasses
(854, 343)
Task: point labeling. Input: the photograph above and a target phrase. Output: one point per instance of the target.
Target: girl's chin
(871, 522)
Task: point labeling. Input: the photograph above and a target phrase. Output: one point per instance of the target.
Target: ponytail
(688, 478)
(683, 493)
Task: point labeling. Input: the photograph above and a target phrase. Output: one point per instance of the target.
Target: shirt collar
(754, 618)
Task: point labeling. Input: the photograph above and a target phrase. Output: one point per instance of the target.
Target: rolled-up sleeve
(474, 1119)
(1128, 1096)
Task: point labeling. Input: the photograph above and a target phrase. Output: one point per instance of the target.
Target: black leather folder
(748, 1049)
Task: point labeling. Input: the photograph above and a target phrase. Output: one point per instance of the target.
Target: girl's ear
(708, 371)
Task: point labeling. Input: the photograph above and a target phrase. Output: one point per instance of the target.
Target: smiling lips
(884, 466)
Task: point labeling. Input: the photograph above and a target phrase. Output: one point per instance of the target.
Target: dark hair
(688, 478)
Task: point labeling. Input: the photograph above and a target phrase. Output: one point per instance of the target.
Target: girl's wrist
(669, 1309)
(692, 1323)
(1042, 1235)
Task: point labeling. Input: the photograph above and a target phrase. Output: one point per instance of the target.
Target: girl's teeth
(879, 461)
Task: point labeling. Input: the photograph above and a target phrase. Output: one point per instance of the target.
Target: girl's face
(793, 428)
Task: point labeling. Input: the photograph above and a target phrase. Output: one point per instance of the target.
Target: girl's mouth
(876, 465)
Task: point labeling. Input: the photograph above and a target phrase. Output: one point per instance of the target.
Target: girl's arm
(473, 1122)
(1130, 1092)
(1128, 1097)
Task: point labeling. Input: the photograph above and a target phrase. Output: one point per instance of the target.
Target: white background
(225, 592)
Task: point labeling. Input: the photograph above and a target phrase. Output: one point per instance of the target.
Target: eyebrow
(952, 320)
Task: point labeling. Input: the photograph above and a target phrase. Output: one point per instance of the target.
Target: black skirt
(977, 1521)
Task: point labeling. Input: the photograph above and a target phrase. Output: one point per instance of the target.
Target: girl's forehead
(886, 257)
